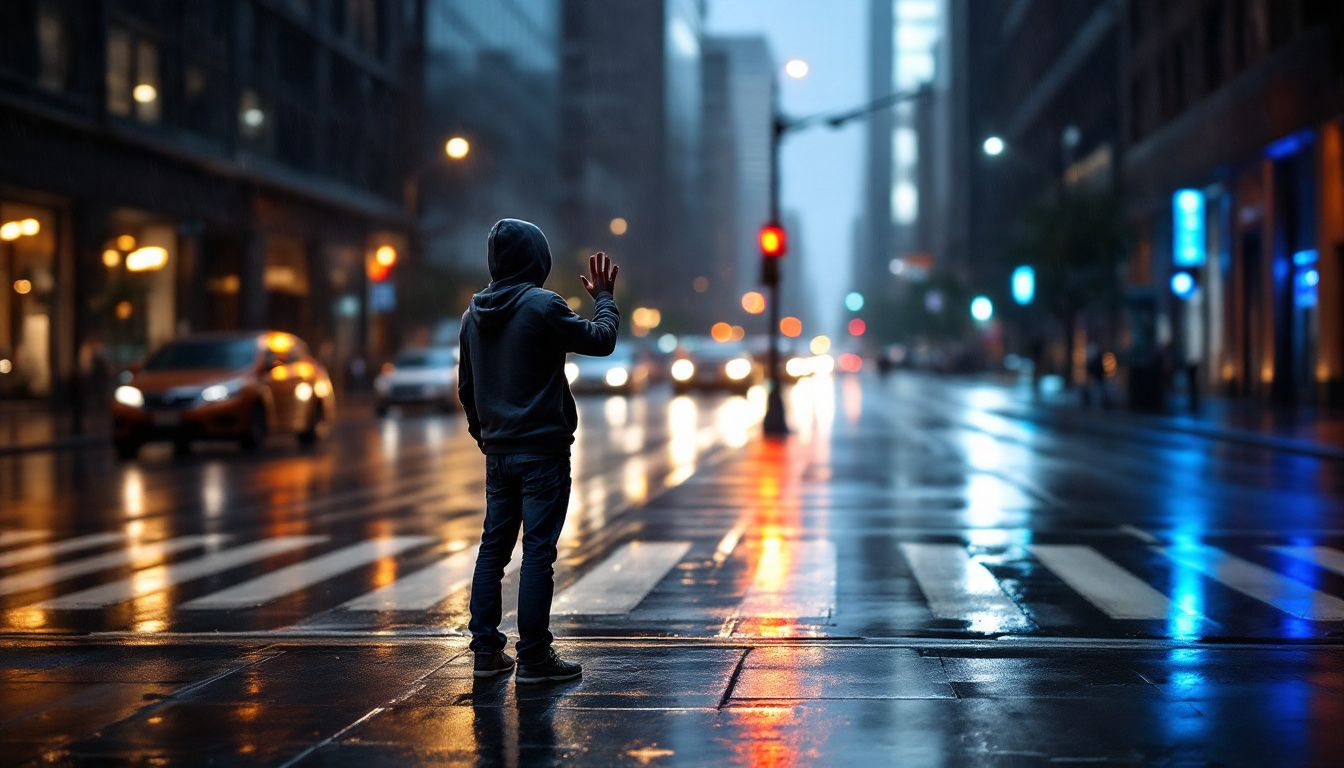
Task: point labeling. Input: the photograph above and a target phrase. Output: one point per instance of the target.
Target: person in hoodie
(511, 381)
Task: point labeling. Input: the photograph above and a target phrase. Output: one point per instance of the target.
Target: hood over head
(519, 259)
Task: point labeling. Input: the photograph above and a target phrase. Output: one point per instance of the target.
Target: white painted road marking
(623, 580)
(1116, 591)
(1288, 595)
(162, 577)
(264, 589)
(423, 589)
(130, 555)
(51, 549)
(20, 537)
(1325, 557)
(957, 587)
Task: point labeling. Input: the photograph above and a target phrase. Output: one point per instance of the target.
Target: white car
(422, 376)
(623, 372)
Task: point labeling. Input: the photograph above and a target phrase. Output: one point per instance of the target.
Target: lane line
(44, 551)
(1324, 557)
(794, 579)
(423, 589)
(729, 543)
(128, 557)
(277, 584)
(957, 587)
(1288, 595)
(622, 580)
(20, 537)
(1117, 592)
(1138, 533)
(163, 577)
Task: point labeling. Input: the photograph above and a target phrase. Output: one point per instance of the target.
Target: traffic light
(380, 266)
(774, 244)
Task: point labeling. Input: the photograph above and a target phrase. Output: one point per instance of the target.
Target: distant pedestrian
(511, 381)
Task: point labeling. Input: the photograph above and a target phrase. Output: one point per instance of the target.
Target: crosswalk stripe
(1288, 595)
(957, 587)
(162, 577)
(1116, 591)
(622, 580)
(49, 549)
(423, 589)
(129, 556)
(1325, 557)
(276, 584)
(20, 537)
(794, 579)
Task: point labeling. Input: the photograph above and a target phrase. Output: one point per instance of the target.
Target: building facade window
(27, 293)
(134, 89)
(53, 45)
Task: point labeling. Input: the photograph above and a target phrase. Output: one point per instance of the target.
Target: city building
(183, 167)
(908, 177)
(492, 80)
(1235, 178)
(739, 75)
(631, 159)
(1038, 120)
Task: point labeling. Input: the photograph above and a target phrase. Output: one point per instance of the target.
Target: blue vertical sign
(1187, 224)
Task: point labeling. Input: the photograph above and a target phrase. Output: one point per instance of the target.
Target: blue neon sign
(1187, 223)
(1024, 284)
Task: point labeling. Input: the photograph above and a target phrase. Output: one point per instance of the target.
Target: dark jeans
(532, 491)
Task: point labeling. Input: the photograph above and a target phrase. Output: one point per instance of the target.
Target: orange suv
(223, 386)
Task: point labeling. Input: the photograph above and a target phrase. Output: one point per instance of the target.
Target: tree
(1076, 245)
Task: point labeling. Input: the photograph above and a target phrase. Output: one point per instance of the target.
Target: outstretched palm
(601, 275)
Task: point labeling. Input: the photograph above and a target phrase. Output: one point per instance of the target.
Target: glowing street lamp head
(386, 256)
(993, 146)
(982, 309)
(796, 68)
(457, 148)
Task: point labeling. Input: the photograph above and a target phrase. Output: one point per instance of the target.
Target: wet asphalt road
(924, 572)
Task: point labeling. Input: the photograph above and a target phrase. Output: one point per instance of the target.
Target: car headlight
(129, 396)
(571, 372)
(217, 392)
(616, 377)
(738, 368)
(797, 367)
(683, 369)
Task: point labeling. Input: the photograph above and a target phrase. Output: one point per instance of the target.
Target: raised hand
(601, 275)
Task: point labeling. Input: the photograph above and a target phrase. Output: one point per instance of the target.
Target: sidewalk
(672, 703)
(1302, 429)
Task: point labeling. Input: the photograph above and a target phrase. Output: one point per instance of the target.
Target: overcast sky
(821, 167)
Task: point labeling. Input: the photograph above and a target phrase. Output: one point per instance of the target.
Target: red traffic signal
(774, 243)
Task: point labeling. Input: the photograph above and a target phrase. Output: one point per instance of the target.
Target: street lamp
(993, 146)
(457, 148)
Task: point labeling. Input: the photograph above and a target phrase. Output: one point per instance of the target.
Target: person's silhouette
(511, 381)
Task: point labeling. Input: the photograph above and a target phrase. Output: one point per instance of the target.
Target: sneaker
(491, 664)
(549, 669)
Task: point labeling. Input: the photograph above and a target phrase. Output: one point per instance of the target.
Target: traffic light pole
(776, 422)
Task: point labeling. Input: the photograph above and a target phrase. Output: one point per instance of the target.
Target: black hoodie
(511, 373)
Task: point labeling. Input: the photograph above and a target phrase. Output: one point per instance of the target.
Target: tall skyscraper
(631, 157)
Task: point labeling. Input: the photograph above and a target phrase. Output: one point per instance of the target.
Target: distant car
(714, 365)
(223, 386)
(421, 376)
(623, 372)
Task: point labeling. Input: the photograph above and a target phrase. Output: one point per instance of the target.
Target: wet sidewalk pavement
(672, 703)
(1303, 429)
